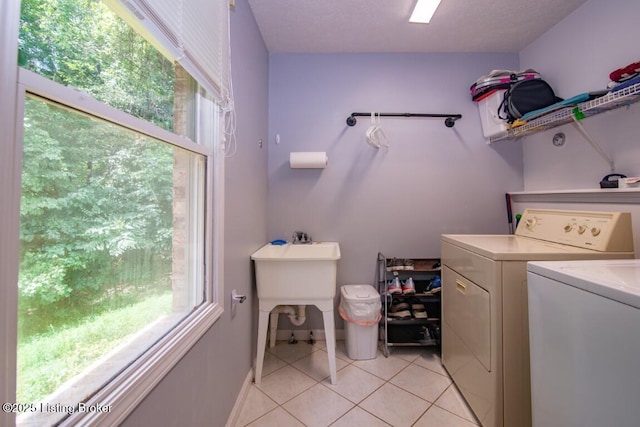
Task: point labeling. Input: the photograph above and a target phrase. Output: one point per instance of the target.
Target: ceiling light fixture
(423, 11)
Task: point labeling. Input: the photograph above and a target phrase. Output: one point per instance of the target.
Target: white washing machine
(485, 320)
(584, 322)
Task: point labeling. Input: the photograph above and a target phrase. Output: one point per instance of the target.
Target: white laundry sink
(302, 274)
(297, 272)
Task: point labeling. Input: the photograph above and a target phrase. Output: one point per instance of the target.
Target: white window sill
(115, 401)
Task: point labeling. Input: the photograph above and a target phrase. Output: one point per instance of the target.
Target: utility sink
(297, 273)
(303, 274)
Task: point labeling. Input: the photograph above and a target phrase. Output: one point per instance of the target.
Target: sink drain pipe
(297, 318)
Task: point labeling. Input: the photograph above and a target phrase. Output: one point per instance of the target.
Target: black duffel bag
(525, 96)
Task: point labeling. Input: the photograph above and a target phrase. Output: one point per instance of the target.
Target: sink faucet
(300, 237)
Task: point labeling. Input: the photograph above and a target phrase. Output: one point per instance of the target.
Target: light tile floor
(409, 388)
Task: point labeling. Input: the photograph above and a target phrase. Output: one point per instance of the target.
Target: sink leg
(329, 331)
(263, 321)
(274, 327)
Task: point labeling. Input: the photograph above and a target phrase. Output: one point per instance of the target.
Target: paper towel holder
(450, 119)
(308, 160)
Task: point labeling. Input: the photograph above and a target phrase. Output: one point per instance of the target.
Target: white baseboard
(242, 396)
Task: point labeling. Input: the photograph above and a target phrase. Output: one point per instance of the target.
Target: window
(111, 249)
(118, 213)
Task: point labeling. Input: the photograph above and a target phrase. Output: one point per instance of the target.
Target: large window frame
(129, 388)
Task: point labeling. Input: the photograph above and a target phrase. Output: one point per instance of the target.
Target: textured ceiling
(332, 26)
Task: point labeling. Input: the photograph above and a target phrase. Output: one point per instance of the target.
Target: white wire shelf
(610, 101)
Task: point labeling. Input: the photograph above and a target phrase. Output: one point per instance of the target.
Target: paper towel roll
(308, 160)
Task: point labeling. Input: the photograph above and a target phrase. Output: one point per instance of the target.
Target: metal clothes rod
(450, 119)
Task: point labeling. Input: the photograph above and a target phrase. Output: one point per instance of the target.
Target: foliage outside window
(112, 220)
(80, 43)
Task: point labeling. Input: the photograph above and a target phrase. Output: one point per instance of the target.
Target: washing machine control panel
(601, 231)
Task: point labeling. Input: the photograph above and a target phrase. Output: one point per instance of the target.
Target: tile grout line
(350, 362)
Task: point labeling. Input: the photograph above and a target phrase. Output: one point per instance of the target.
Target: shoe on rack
(407, 264)
(399, 310)
(394, 287)
(418, 309)
(435, 284)
(408, 287)
(395, 264)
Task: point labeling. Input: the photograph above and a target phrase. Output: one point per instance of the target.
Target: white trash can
(360, 308)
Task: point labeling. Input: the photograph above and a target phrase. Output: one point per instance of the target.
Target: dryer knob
(582, 229)
(568, 228)
(595, 231)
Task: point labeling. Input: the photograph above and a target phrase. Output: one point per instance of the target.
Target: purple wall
(432, 180)
(576, 56)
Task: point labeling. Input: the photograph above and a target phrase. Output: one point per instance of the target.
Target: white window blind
(195, 33)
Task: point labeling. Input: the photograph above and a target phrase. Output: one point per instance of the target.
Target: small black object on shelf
(611, 180)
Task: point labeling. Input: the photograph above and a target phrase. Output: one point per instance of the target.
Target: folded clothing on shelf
(561, 104)
(499, 79)
(627, 83)
(625, 73)
(569, 102)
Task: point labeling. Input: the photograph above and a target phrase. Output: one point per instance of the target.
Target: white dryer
(584, 322)
(485, 321)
